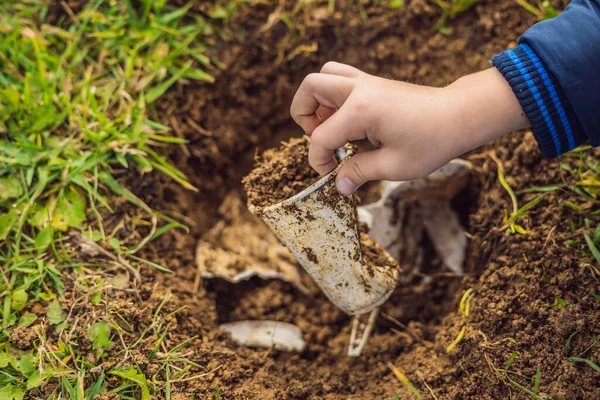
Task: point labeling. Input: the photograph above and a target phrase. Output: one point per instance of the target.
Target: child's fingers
(336, 68)
(325, 112)
(341, 128)
(361, 168)
(321, 115)
(318, 90)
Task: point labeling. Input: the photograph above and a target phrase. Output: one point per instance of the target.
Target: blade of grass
(524, 389)
(150, 263)
(536, 381)
(508, 190)
(543, 189)
(159, 90)
(405, 381)
(510, 360)
(592, 247)
(527, 206)
(594, 366)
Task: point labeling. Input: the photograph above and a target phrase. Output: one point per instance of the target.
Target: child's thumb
(359, 169)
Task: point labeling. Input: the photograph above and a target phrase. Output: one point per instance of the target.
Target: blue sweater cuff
(553, 122)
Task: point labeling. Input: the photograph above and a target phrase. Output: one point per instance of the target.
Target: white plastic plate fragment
(408, 210)
(266, 334)
(241, 246)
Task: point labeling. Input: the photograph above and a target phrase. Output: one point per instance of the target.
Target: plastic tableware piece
(319, 226)
(400, 232)
(266, 334)
(240, 246)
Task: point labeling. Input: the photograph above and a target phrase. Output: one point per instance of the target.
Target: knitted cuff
(552, 119)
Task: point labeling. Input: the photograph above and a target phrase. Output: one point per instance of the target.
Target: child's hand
(416, 129)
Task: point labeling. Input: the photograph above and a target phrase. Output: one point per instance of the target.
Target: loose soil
(279, 173)
(516, 279)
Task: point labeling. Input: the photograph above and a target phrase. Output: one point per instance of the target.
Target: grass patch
(584, 202)
(74, 107)
(77, 104)
(578, 195)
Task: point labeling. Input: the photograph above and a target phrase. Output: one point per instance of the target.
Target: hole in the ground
(416, 300)
(426, 298)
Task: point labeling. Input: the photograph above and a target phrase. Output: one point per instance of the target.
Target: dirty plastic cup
(320, 227)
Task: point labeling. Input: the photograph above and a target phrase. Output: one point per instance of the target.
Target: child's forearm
(485, 108)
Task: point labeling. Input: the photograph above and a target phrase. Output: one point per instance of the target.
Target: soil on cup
(279, 173)
(374, 255)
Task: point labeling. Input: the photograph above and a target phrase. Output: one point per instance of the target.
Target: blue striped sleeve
(553, 121)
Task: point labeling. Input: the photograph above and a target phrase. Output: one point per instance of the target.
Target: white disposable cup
(320, 227)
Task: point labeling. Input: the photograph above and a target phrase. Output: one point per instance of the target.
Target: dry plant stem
(148, 238)
(422, 379)
(403, 326)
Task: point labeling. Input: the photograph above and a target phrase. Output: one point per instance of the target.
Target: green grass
(593, 365)
(584, 188)
(405, 381)
(579, 196)
(450, 9)
(77, 104)
(533, 393)
(512, 217)
(579, 358)
(581, 187)
(581, 183)
(541, 9)
(74, 106)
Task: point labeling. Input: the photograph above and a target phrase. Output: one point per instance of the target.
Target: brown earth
(516, 279)
(279, 173)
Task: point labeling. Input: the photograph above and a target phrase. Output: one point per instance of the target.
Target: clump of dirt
(22, 337)
(279, 174)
